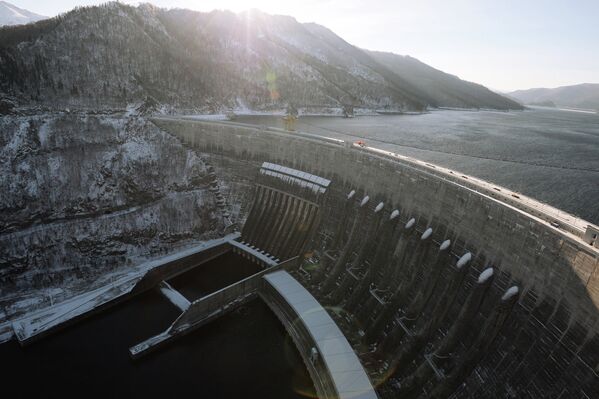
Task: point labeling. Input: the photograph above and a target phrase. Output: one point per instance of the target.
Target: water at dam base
(245, 353)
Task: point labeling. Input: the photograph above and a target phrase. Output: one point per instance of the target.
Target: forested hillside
(114, 54)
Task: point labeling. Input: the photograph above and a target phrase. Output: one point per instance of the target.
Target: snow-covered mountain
(13, 15)
(113, 54)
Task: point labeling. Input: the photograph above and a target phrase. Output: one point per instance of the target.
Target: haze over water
(549, 155)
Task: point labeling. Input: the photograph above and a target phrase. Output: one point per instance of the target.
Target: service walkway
(346, 371)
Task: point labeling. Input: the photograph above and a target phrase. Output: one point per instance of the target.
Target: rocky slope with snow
(84, 194)
(110, 55)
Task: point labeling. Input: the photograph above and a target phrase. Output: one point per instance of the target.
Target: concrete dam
(443, 289)
(392, 277)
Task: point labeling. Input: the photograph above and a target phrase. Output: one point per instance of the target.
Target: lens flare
(271, 81)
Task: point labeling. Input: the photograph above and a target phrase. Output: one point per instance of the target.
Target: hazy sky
(503, 44)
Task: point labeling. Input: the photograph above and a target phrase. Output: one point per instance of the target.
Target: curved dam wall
(549, 344)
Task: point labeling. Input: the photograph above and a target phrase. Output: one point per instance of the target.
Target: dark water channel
(213, 275)
(244, 354)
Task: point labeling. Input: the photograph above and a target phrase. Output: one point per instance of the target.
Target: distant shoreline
(337, 113)
(579, 110)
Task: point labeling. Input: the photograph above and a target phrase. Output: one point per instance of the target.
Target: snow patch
(13, 15)
(210, 117)
(137, 151)
(43, 134)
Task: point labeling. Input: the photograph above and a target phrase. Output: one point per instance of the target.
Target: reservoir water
(550, 155)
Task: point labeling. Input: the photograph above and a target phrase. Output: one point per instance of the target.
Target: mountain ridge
(114, 54)
(583, 95)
